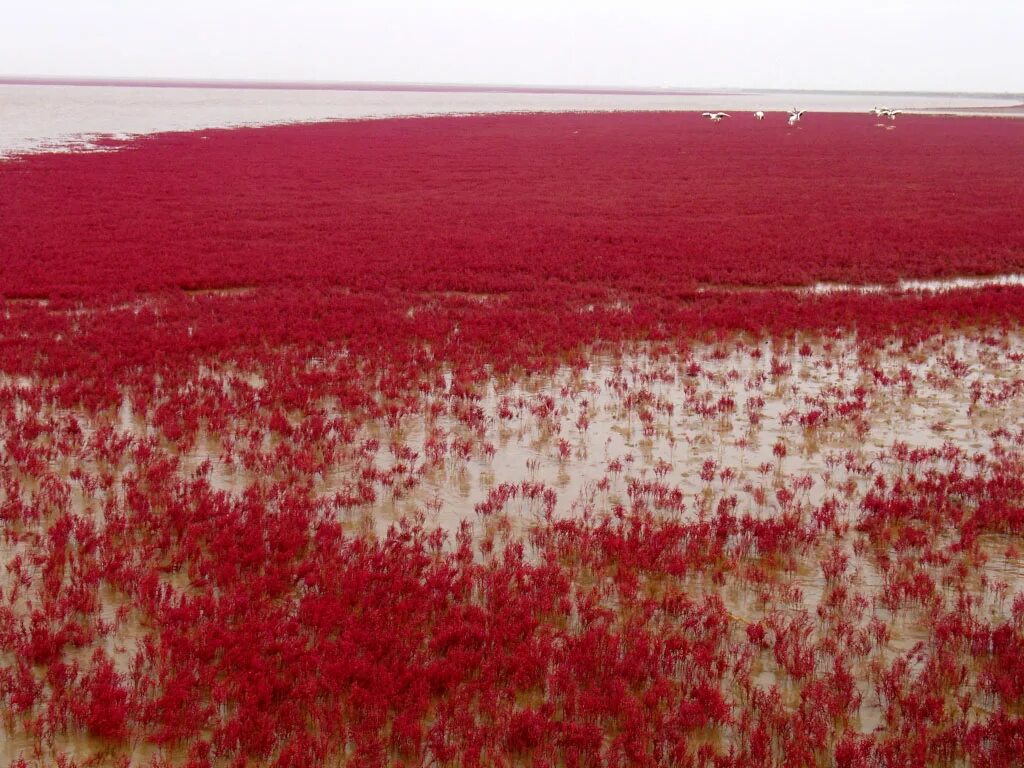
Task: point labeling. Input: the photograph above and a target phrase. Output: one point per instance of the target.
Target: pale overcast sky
(834, 44)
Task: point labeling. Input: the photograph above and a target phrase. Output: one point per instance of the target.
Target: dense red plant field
(653, 202)
(507, 441)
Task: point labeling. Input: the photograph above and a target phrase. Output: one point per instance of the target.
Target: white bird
(878, 111)
(890, 113)
(794, 119)
(715, 117)
(759, 115)
(795, 114)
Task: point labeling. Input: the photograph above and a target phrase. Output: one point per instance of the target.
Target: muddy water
(781, 425)
(758, 410)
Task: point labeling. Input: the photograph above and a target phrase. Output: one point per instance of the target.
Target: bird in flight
(715, 117)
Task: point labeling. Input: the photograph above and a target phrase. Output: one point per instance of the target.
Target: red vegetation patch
(649, 202)
(227, 357)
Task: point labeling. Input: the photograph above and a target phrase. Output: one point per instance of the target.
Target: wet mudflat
(579, 439)
(779, 453)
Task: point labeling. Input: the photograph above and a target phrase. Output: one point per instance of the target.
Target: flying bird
(796, 114)
(715, 117)
(890, 113)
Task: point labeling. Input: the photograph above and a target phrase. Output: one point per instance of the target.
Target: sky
(937, 45)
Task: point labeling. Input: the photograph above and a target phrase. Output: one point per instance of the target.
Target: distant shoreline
(299, 85)
(306, 85)
(1010, 109)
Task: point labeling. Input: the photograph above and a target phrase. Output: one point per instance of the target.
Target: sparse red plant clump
(456, 441)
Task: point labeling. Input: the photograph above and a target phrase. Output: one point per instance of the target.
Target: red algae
(415, 442)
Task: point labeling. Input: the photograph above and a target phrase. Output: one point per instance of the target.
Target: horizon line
(447, 87)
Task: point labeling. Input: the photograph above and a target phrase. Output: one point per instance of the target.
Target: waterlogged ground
(516, 440)
(784, 451)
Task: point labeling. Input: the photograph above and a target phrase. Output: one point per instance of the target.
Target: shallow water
(939, 285)
(650, 417)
